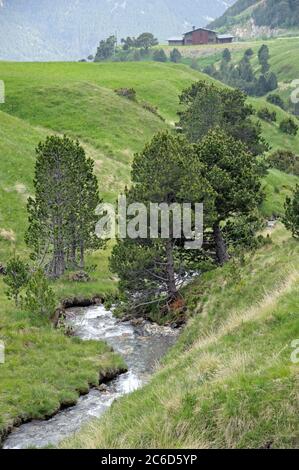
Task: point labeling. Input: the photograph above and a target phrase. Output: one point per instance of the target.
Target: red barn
(200, 36)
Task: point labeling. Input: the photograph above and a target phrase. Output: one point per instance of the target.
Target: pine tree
(175, 56)
(235, 176)
(208, 106)
(61, 216)
(166, 171)
(263, 56)
(226, 55)
(87, 201)
(160, 56)
(272, 82)
(245, 70)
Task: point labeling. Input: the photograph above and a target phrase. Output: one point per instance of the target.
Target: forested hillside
(270, 13)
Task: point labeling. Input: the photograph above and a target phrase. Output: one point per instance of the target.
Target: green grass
(278, 186)
(43, 368)
(283, 59)
(160, 84)
(77, 99)
(229, 381)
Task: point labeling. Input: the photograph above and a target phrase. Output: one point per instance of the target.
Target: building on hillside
(200, 36)
(179, 41)
(225, 38)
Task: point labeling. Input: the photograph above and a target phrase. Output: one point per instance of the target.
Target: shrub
(288, 126)
(291, 218)
(249, 53)
(284, 160)
(267, 115)
(160, 56)
(39, 298)
(276, 100)
(152, 109)
(128, 93)
(16, 278)
(175, 56)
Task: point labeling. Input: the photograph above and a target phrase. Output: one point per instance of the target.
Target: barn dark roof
(201, 29)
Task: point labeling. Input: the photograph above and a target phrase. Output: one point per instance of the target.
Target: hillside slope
(79, 99)
(252, 18)
(229, 382)
(64, 30)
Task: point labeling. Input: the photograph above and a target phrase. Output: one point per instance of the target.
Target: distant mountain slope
(260, 14)
(71, 29)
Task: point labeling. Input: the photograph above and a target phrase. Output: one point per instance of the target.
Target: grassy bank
(229, 382)
(44, 369)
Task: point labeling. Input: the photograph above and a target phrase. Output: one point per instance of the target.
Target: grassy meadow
(44, 368)
(283, 58)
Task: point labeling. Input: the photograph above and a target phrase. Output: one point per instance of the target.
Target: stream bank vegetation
(229, 382)
(215, 162)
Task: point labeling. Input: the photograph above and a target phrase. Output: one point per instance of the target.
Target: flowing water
(141, 347)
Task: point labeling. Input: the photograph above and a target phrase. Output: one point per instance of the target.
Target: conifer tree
(175, 56)
(61, 216)
(166, 171)
(207, 106)
(226, 55)
(235, 177)
(263, 56)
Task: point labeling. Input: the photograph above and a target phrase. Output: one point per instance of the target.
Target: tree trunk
(221, 249)
(58, 255)
(72, 262)
(82, 261)
(171, 285)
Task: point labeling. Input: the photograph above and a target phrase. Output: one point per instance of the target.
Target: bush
(291, 218)
(128, 93)
(40, 298)
(284, 160)
(288, 126)
(160, 56)
(276, 100)
(16, 278)
(267, 115)
(152, 109)
(175, 56)
(249, 53)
